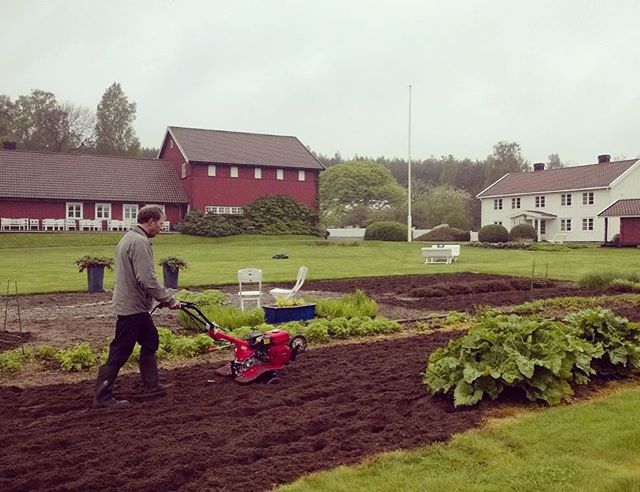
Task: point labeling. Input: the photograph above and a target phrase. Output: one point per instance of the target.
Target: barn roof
(628, 207)
(42, 175)
(565, 179)
(218, 146)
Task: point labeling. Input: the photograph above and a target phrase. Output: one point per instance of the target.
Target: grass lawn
(45, 262)
(586, 446)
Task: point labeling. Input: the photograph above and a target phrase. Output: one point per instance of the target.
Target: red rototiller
(259, 356)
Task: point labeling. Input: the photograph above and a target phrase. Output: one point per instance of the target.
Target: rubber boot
(102, 394)
(149, 374)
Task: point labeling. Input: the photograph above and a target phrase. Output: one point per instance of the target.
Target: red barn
(42, 185)
(222, 172)
(629, 212)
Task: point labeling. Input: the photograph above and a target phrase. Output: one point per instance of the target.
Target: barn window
(184, 170)
(130, 211)
(74, 210)
(234, 171)
(280, 174)
(103, 211)
(257, 173)
(211, 170)
(301, 175)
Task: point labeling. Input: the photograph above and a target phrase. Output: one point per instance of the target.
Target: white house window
(497, 204)
(222, 210)
(565, 225)
(515, 203)
(540, 201)
(183, 172)
(103, 211)
(257, 172)
(587, 224)
(587, 198)
(234, 171)
(543, 227)
(565, 199)
(280, 174)
(130, 211)
(301, 175)
(171, 143)
(74, 210)
(211, 170)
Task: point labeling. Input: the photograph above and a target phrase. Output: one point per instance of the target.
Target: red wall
(42, 209)
(174, 155)
(630, 230)
(223, 190)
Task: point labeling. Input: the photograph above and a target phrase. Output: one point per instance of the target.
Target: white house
(562, 201)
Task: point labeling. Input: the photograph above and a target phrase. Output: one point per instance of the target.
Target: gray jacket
(136, 281)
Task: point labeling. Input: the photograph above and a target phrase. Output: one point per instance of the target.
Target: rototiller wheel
(259, 356)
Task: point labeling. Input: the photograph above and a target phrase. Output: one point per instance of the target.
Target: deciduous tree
(114, 124)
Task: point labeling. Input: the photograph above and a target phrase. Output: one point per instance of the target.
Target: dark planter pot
(95, 278)
(274, 314)
(170, 277)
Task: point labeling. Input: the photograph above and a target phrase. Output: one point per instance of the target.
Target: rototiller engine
(259, 356)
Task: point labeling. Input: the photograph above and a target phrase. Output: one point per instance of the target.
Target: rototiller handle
(194, 312)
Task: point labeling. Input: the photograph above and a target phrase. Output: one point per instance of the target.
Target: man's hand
(175, 304)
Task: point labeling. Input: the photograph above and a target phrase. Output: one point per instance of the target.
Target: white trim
(125, 205)
(624, 174)
(280, 174)
(183, 170)
(66, 210)
(211, 167)
(301, 175)
(571, 190)
(104, 204)
(234, 172)
(257, 173)
(494, 183)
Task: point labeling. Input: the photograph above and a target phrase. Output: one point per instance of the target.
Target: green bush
(348, 306)
(12, 360)
(523, 232)
(622, 285)
(77, 358)
(281, 214)
(209, 297)
(448, 234)
(317, 332)
(197, 223)
(227, 317)
(386, 231)
(493, 233)
(599, 280)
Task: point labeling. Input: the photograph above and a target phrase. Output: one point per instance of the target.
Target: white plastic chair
(249, 277)
(289, 293)
(34, 223)
(70, 225)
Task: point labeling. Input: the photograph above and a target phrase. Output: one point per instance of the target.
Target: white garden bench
(455, 248)
(437, 255)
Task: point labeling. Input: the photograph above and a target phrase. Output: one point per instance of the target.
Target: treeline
(38, 121)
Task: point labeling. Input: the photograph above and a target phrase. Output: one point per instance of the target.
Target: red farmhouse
(221, 171)
(213, 171)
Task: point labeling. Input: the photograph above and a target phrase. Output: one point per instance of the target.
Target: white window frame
(543, 226)
(233, 172)
(515, 202)
(257, 172)
(540, 201)
(565, 200)
(565, 225)
(587, 223)
(102, 215)
(211, 170)
(78, 207)
(497, 203)
(301, 175)
(588, 198)
(280, 174)
(129, 207)
(183, 170)
(223, 210)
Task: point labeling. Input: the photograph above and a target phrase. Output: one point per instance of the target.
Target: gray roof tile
(42, 175)
(217, 146)
(628, 207)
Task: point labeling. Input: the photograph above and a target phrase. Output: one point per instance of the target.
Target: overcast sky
(556, 76)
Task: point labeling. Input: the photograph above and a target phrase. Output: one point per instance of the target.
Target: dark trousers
(129, 330)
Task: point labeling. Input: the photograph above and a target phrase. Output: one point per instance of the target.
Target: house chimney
(538, 166)
(9, 145)
(604, 158)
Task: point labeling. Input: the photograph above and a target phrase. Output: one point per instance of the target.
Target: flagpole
(409, 227)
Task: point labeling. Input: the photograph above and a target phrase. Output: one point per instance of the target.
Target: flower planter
(95, 278)
(170, 277)
(275, 314)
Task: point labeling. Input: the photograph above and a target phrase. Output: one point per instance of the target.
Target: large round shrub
(386, 231)
(493, 233)
(523, 232)
(445, 234)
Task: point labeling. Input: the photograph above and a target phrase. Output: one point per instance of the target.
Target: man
(136, 287)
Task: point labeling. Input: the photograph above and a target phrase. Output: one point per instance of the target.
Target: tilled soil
(334, 405)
